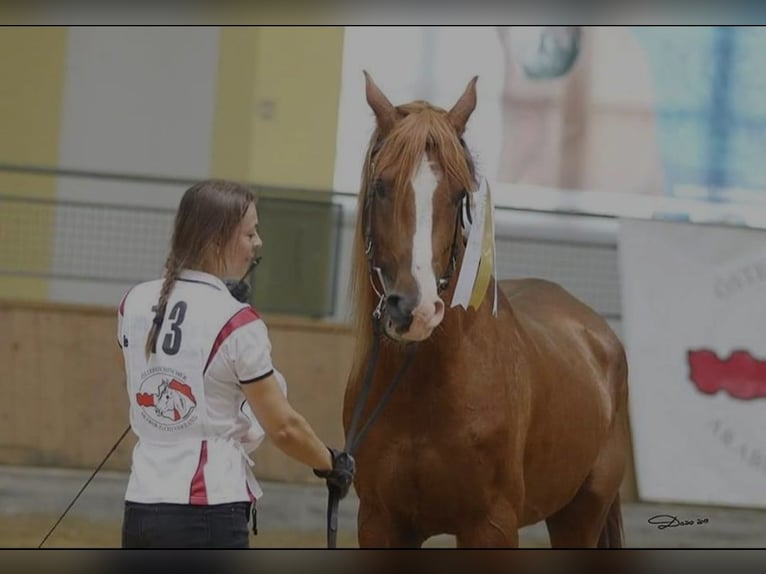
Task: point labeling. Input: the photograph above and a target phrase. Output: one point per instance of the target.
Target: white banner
(694, 324)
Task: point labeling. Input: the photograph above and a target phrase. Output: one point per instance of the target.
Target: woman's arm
(287, 428)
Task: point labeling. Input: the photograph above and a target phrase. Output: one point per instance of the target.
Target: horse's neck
(448, 341)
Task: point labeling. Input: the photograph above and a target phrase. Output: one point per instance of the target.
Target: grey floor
(31, 490)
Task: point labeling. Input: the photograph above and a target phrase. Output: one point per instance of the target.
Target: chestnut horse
(500, 421)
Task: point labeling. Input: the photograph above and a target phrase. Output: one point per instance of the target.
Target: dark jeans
(186, 526)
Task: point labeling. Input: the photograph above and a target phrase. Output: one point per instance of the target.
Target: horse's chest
(428, 472)
(436, 453)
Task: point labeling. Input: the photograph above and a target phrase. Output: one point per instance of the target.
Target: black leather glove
(240, 290)
(342, 474)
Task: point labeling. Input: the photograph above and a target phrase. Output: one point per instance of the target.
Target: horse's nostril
(393, 301)
(399, 310)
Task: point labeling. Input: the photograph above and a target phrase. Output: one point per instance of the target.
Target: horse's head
(163, 402)
(416, 176)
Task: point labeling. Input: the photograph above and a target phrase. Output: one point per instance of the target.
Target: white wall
(140, 101)
(432, 63)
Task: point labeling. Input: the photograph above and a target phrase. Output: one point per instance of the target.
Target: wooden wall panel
(64, 400)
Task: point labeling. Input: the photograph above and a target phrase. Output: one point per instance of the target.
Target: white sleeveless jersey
(187, 408)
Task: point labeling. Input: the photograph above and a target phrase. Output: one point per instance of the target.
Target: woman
(195, 359)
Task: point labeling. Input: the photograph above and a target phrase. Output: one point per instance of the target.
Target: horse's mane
(423, 128)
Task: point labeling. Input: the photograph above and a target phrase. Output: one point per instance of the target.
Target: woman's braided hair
(205, 222)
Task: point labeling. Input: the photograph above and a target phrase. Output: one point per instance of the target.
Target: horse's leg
(579, 523)
(498, 529)
(583, 521)
(378, 528)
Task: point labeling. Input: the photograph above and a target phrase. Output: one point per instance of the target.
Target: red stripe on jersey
(198, 490)
(121, 308)
(242, 317)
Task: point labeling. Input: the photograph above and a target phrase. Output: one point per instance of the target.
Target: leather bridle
(463, 220)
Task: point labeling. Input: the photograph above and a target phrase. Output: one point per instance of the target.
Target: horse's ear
(464, 107)
(385, 112)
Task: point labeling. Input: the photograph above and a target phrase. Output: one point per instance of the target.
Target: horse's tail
(612, 534)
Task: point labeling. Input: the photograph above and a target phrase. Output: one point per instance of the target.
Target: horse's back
(539, 304)
(527, 294)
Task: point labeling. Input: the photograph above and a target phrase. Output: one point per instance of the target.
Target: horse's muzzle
(404, 322)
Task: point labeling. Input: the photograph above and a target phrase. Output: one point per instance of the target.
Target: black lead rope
(84, 486)
(353, 440)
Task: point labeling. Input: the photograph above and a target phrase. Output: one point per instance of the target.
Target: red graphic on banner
(742, 376)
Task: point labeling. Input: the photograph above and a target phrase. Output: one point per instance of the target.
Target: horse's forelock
(423, 129)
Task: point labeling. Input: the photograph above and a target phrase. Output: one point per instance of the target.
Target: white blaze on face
(430, 310)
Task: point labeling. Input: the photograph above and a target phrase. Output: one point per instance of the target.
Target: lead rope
(353, 440)
(84, 486)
